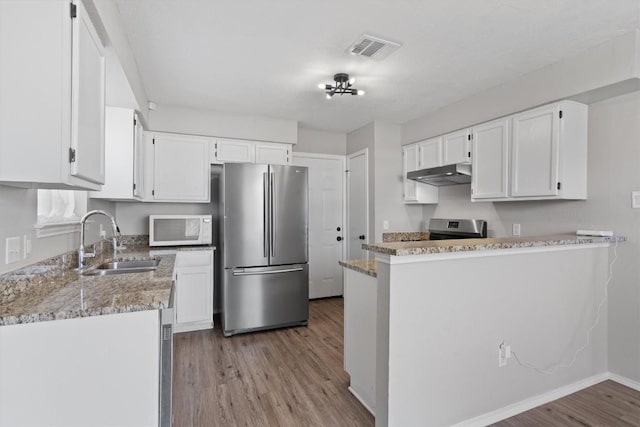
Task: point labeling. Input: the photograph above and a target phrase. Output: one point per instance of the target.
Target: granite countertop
(366, 266)
(52, 290)
(464, 245)
(404, 236)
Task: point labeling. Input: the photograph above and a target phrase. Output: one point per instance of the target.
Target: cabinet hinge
(153, 141)
(558, 186)
(153, 192)
(73, 11)
(135, 122)
(560, 114)
(134, 186)
(469, 154)
(469, 137)
(72, 155)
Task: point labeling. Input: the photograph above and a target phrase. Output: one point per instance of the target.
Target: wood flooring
(294, 377)
(287, 377)
(606, 404)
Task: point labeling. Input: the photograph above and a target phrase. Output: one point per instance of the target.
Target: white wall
(389, 183)
(194, 121)
(613, 172)
(385, 178)
(612, 65)
(321, 142)
(444, 334)
(18, 214)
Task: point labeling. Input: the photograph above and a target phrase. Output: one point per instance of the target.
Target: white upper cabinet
(273, 153)
(244, 151)
(490, 153)
(55, 74)
(181, 171)
(456, 147)
(139, 176)
(542, 156)
(430, 153)
(122, 131)
(233, 151)
(415, 192)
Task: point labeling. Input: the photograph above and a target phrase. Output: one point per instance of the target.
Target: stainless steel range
(444, 228)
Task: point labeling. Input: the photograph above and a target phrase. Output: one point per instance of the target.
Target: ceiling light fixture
(342, 85)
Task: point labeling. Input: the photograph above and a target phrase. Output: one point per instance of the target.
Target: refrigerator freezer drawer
(265, 298)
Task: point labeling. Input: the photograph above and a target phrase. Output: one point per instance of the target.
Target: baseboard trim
(625, 381)
(530, 403)
(367, 407)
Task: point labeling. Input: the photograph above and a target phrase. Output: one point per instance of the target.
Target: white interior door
(326, 222)
(357, 204)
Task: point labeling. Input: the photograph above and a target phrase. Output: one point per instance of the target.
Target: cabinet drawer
(193, 258)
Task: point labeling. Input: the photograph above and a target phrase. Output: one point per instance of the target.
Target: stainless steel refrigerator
(265, 283)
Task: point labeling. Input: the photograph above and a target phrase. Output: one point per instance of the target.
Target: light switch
(385, 224)
(515, 229)
(635, 199)
(12, 250)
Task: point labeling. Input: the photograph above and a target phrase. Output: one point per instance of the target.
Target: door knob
(338, 229)
(339, 239)
(361, 237)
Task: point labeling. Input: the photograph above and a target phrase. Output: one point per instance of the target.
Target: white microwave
(179, 230)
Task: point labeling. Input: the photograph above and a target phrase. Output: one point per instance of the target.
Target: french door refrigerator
(265, 282)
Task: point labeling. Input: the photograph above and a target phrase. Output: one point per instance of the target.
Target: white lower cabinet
(194, 290)
(415, 192)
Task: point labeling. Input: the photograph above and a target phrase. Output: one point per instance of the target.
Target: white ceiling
(267, 57)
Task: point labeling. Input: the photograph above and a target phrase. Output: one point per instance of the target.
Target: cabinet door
(430, 153)
(410, 163)
(415, 192)
(456, 147)
(194, 295)
(138, 160)
(180, 168)
(535, 152)
(88, 99)
(230, 151)
(272, 153)
(119, 155)
(490, 153)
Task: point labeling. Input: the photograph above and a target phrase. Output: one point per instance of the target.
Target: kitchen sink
(120, 267)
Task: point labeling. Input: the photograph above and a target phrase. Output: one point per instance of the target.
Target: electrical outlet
(12, 250)
(635, 199)
(515, 229)
(385, 224)
(103, 232)
(504, 354)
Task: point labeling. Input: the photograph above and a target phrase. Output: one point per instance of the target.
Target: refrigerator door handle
(260, 273)
(273, 214)
(265, 215)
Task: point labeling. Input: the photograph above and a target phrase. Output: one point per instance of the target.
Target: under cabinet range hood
(443, 175)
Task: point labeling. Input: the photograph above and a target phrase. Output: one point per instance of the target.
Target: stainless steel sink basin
(120, 267)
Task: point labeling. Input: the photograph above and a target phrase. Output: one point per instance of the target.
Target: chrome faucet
(82, 254)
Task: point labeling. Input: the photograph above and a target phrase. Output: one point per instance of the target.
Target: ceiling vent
(372, 47)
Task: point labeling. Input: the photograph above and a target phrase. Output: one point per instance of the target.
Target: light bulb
(360, 92)
(328, 96)
(352, 80)
(320, 86)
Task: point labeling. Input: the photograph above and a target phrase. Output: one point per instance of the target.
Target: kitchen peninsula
(444, 308)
